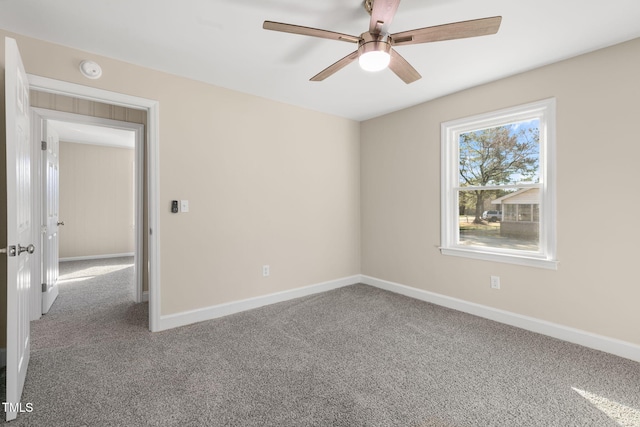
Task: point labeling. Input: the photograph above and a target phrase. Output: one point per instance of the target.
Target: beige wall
(96, 200)
(596, 287)
(268, 183)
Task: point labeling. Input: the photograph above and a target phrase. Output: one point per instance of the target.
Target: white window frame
(545, 257)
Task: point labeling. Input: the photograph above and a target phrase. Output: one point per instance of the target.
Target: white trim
(45, 84)
(207, 313)
(35, 308)
(99, 144)
(508, 258)
(587, 339)
(86, 257)
(63, 116)
(138, 212)
(145, 296)
(152, 107)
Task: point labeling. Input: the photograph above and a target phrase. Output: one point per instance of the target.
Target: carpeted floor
(356, 356)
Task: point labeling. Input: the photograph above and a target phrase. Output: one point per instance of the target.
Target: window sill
(529, 261)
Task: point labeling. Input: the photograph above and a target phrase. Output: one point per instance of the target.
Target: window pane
(524, 213)
(505, 219)
(508, 154)
(510, 213)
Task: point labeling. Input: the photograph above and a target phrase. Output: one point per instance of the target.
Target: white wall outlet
(265, 271)
(184, 206)
(495, 282)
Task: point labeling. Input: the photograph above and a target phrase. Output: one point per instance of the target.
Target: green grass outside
(488, 227)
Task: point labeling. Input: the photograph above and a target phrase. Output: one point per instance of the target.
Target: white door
(50, 205)
(19, 229)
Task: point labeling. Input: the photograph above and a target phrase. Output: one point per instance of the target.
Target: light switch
(184, 206)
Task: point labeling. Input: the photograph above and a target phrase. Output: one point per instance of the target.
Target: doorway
(99, 163)
(148, 174)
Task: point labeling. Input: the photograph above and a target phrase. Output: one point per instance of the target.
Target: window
(498, 198)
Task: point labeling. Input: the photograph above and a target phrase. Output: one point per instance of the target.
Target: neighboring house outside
(520, 213)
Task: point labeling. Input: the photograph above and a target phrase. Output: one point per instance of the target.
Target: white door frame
(44, 84)
(41, 115)
(35, 311)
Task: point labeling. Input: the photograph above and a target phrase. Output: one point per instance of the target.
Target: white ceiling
(222, 42)
(91, 134)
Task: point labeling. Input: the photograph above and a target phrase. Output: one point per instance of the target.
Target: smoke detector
(90, 70)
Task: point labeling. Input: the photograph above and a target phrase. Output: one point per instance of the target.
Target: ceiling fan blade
(382, 14)
(335, 67)
(402, 68)
(308, 31)
(455, 30)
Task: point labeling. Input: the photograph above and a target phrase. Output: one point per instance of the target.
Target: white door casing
(19, 225)
(50, 216)
(35, 309)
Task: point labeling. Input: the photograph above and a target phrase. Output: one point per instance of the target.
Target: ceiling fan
(375, 47)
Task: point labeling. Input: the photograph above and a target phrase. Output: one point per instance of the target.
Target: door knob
(31, 249)
(60, 223)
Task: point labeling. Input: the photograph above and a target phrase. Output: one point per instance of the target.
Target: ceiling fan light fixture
(375, 60)
(374, 52)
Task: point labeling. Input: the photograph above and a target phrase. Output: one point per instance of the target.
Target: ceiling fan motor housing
(374, 43)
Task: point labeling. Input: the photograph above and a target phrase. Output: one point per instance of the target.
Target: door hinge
(43, 145)
(44, 287)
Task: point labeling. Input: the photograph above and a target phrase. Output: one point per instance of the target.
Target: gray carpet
(356, 356)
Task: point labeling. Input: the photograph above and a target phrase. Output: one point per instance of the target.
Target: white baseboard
(207, 313)
(145, 296)
(83, 258)
(587, 339)
(598, 342)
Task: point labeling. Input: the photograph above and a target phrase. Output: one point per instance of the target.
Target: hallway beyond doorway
(96, 300)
